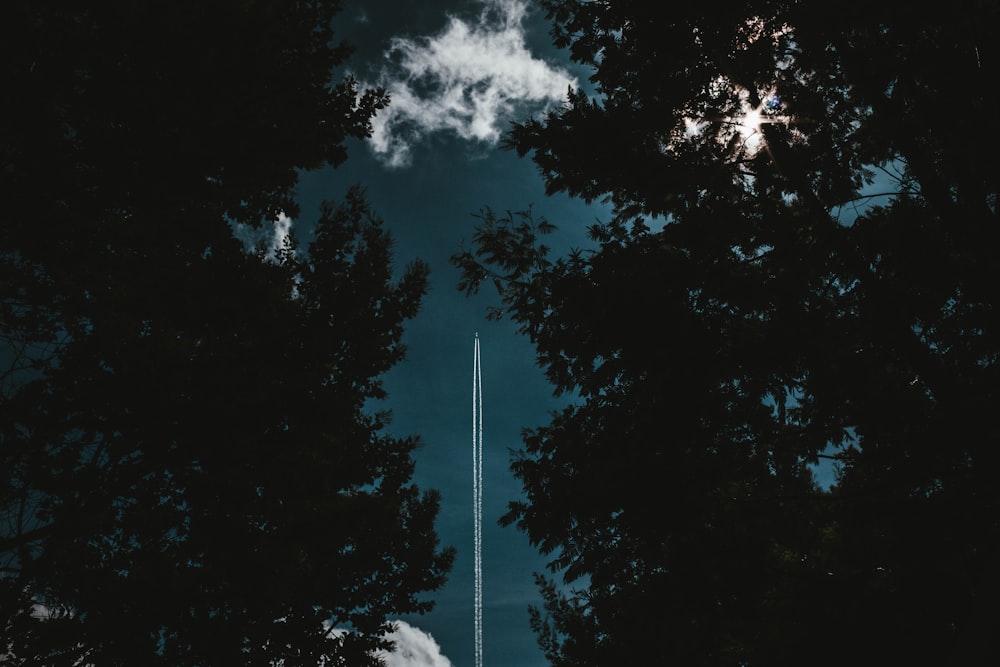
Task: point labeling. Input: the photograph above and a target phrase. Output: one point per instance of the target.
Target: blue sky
(459, 72)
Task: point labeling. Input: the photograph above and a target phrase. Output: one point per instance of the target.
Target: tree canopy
(784, 346)
(190, 472)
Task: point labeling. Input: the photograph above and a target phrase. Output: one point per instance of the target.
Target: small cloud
(414, 648)
(467, 80)
(271, 237)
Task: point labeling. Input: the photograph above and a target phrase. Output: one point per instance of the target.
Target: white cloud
(468, 80)
(414, 648)
(272, 236)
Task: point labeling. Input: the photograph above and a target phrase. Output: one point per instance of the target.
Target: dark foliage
(189, 474)
(779, 320)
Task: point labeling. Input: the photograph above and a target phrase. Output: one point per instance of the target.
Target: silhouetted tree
(189, 472)
(775, 324)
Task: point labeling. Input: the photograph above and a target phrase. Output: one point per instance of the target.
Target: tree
(775, 321)
(190, 471)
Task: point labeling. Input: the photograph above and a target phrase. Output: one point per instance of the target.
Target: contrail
(477, 496)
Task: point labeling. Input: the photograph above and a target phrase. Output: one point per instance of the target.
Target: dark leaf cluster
(783, 348)
(190, 472)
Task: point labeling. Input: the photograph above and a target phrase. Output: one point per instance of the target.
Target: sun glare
(749, 129)
(744, 128)
(749, 124)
